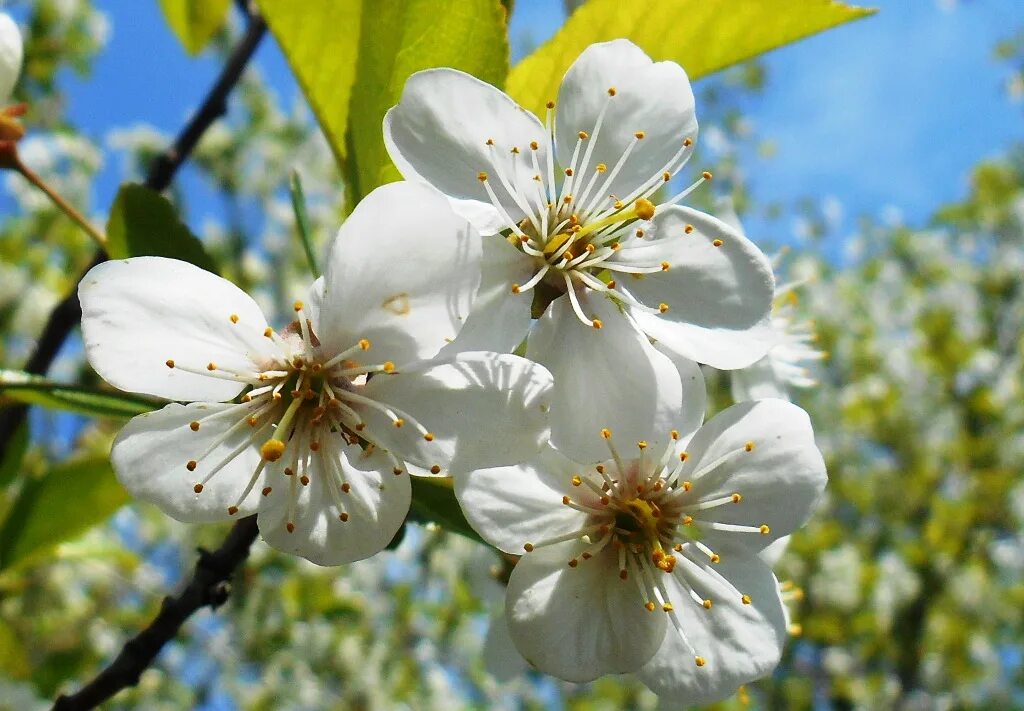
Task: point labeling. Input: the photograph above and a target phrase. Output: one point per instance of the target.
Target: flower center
(644, 518)
(574, 227)
(300, 408)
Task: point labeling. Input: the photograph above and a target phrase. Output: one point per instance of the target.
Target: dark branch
(209, 586)
(68, 313)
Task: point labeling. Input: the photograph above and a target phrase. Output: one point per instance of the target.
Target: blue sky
(889, 112)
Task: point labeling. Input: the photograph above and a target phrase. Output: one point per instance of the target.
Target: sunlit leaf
(10, 466)
(465, 34)
(320, 38)
(14, 661)
(433, 499)
(71, 498)
(701, 35)
(35, 390)
(194, 22)
(144, 223)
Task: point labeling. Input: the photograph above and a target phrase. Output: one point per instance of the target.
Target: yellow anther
(639, 135)
(169, 363)
(298, 306)
(566, 500)
(528, 547)
(606, 433)
(583, 135)
(346, 487)
(611, 91)
(194, 425)
(576, 480)
(644, 208)
(191, 465)
(272, 450)
(266, 490)
(715, 558)
(707, 604)
(399, 422)
(745, 599)
(515, 150)
(550, 104)
(481, 176)
(717, 243)
(688, 229)
(364, 344)
(687, 142)
(642, 444)
(651, 607)
(749, 446)
(397, 471)
(314, 446)
(304, 480)
(665, 266)
(663, 307)
(343, 517)
(253, 420)
(234, 318)
(666, 176)
(764, 529)
(736, 498)
(574, 562)
(639, 233)
(601, 167)
(429, 436)
(435, 469)
(674, 434)
(597, 323)
(687, 485)
(489, 142)
(534, 145)
(667, 607)
(568, 172)
(687, 520)
(515, 288)
(683, 456)
(567, 199)
(232, 510)
(617, 204)
(706, 175)
(290, 527)
(268, 332)
(198, 488)
(388, 367)
(700, 661)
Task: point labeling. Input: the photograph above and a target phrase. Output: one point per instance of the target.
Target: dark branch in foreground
(209, 586)
(68, 313)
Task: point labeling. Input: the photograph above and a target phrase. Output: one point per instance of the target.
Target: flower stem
(302, 221)
(55, 197)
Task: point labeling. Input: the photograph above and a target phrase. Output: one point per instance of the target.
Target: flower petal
(151, 454)
(438, 134)
(757, 382)
(611, 377)
(579, 623)
(514, 505)
(375, 506)
(739, 643)
(654, 98)
(500, 319)
(139, 313)
(402, 273)
(11, 54)
(482, 409)
(780, 478)
(718, 297)
(501, 658)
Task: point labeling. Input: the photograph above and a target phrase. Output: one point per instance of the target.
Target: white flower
(348, 371)
(11, 55)
(786, 363)
(582, 242)
(650, 565)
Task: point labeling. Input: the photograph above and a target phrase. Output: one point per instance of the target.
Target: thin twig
(68, 313)
(58, 200)
(209, 586)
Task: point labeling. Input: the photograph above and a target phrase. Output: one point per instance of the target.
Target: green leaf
(433, 499)
(465, 34)
(71, 498)
(701, 35)
(144, 223)
(320, 39)
(194, 22)
(36, 390)
(10, 466)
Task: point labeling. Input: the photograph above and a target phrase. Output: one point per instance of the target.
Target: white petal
(780, 479)
(757, 382)
(11, 51)
(501, 659)
(376, 506)
(739, 643)
(151, 452)
(579, 623)
(139, 313)
(772, 554)
(519, 504)
(718, 298)
(655, 98)
(500, 319)
(402, 273)
(438, 134)
(483, 410)
(610, 377)
(695, 395)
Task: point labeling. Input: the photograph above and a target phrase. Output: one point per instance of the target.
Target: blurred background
(883, 162)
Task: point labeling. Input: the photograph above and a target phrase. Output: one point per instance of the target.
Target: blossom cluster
(640, 526)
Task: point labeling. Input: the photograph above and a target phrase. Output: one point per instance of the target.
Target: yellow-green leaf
(433, 500)
(701, 35)
(144, 223)
(194, 22)
(320, 39)
(71, 498)
(31, 389)
(465, 34)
